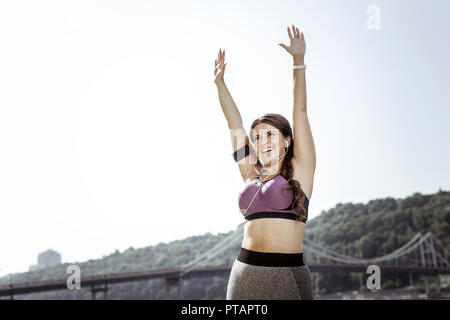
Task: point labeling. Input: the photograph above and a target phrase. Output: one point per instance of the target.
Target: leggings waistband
(270, 259)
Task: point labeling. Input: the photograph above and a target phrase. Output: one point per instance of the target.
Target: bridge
(423, 255)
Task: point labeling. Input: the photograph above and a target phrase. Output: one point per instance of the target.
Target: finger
(289, 32)
(295, 31)
(303, 37)
(298, 33)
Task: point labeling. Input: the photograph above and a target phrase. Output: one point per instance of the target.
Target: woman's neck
(263, 178)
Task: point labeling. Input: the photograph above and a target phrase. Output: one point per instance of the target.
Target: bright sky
(112, 135)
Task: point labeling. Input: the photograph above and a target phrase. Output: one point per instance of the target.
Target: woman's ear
(286, 144)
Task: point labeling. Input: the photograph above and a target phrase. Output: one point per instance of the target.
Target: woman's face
(266, 136)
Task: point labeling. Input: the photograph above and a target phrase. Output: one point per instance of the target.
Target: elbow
(235, 125)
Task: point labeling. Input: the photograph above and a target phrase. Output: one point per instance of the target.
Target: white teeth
(267, 150)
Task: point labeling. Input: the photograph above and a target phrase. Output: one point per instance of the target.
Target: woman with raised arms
(277, 167)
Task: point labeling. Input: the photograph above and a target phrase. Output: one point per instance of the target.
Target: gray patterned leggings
(269, 276)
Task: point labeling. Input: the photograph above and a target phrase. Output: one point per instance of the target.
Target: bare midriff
(274, 235)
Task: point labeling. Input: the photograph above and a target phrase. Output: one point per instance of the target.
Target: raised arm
(248, 166)
(304, 150)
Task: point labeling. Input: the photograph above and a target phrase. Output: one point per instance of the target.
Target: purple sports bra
(271, 201)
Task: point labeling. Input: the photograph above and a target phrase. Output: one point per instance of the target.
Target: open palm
(298, 45)
(219, 68)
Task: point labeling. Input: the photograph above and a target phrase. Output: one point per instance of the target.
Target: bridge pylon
(174, 282)
(104, 289)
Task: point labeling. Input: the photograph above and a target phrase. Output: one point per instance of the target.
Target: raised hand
(298, 45)
(220, 65)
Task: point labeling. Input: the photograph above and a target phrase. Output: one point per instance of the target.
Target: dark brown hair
(282, 124)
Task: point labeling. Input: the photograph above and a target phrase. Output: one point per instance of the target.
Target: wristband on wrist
(302, 66)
